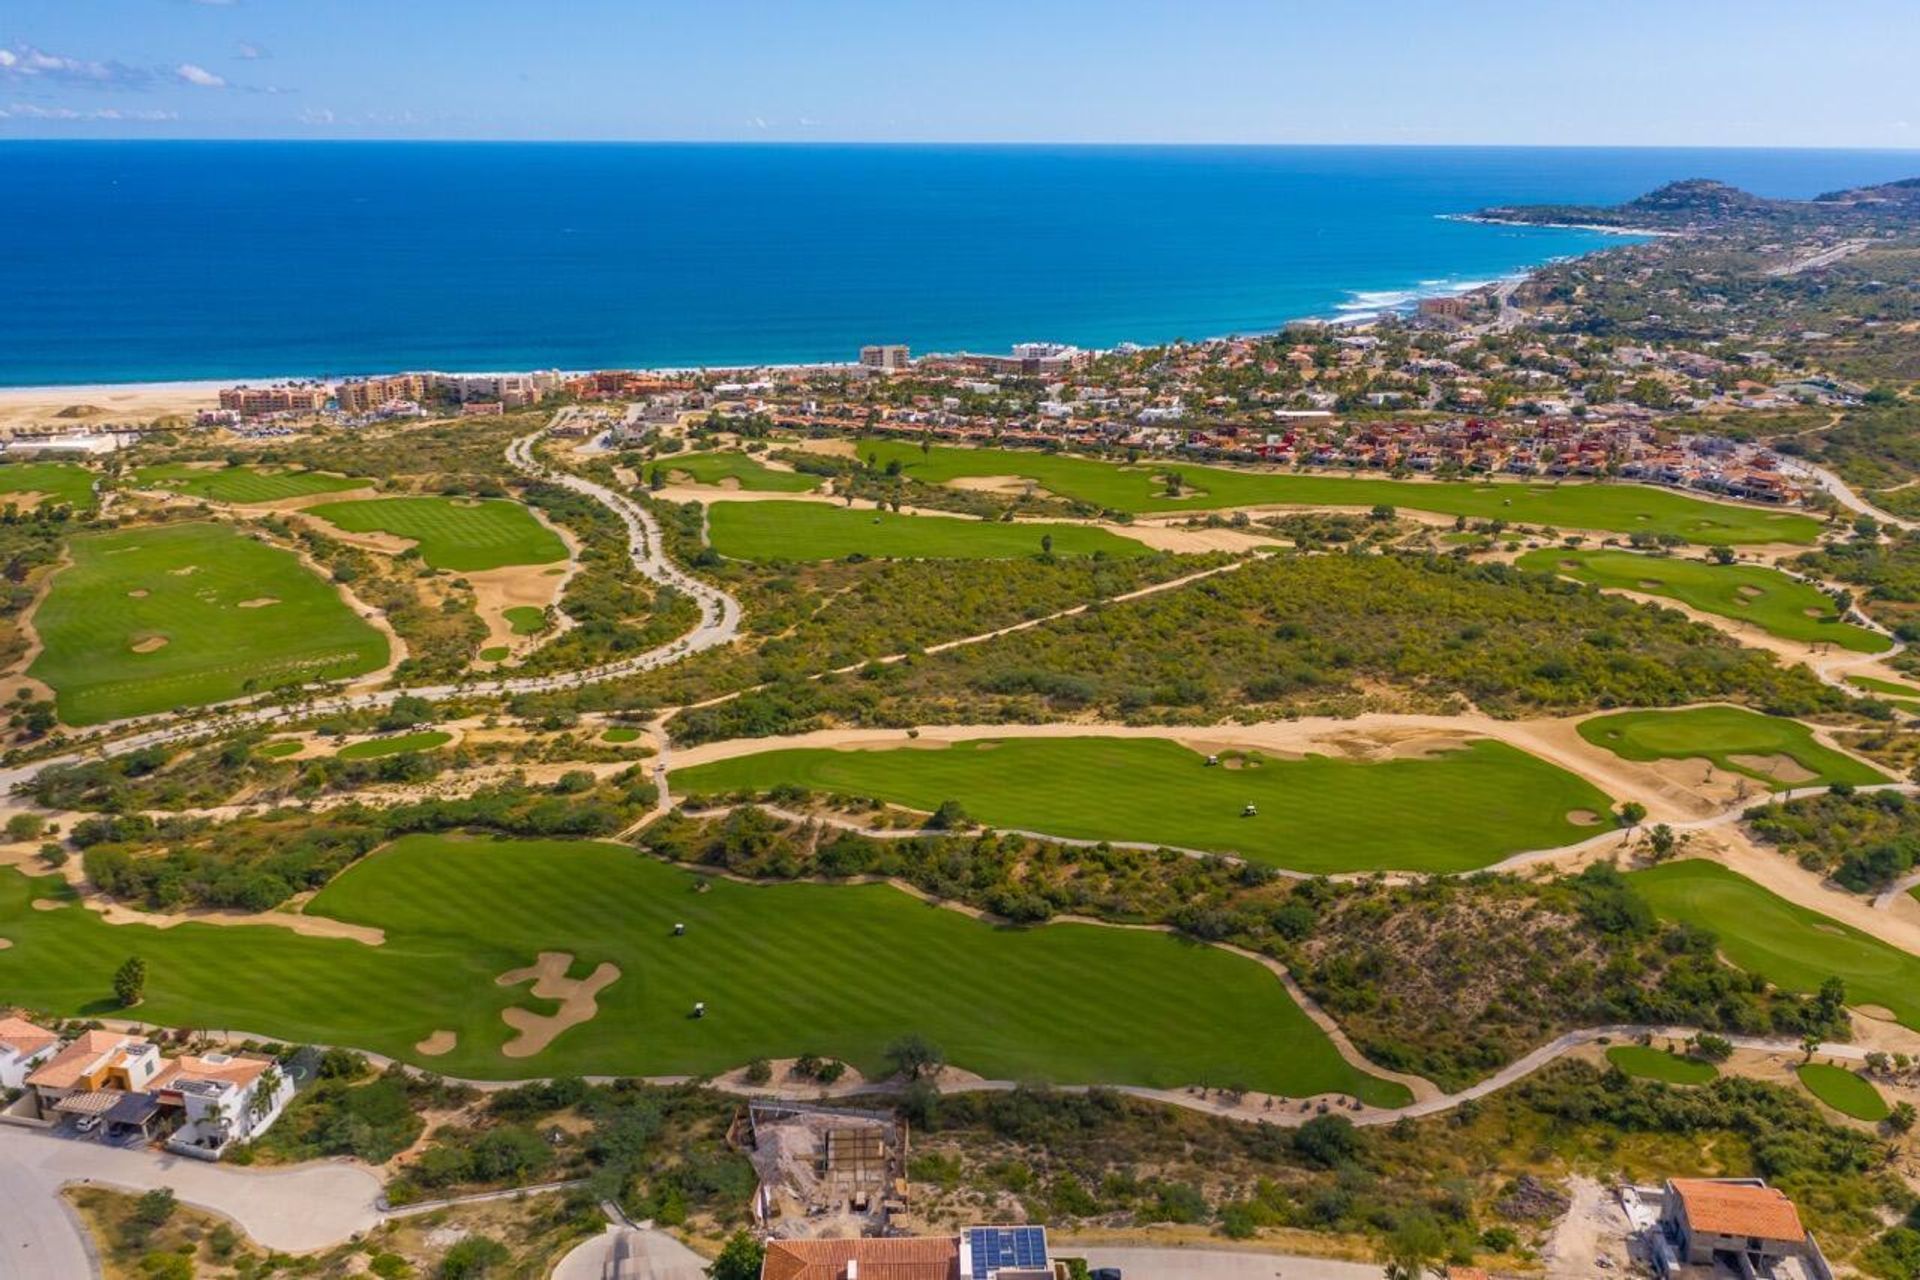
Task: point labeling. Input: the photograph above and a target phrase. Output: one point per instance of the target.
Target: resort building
(888, 356)
(23, 1047)
(224, 1098)
(253, 401)
(364, 395)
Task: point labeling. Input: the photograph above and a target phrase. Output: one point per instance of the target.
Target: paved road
(310, 1207)
(719, 624)
(647, 1255)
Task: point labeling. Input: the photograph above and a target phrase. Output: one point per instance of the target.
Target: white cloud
(25, 62)
(199, 75)
(29, 111)
(316, 115)
(251, 52)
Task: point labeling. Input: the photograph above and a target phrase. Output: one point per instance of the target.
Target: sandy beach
(73, 407)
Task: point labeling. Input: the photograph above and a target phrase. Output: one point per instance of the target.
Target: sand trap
(5, 943)
(259, 602)
(47, 904)
(436, 1044)
(550, 982)
(184, 570)
(1013, 485)
(1814, 613)
(466, 502)
(1749, 592)
(1779, 768)
(147, 644)
(138, 593)
(1651, 584)
(1583, 817)
(1878, 1012)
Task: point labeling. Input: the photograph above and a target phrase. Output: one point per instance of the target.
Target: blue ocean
(149, 261)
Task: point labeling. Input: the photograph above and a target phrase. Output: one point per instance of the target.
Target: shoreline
(1354, 313)
(1605, 229)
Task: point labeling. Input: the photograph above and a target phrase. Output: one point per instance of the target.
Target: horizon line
(1028, 144)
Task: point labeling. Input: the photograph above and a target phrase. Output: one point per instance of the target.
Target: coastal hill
(1703, 204)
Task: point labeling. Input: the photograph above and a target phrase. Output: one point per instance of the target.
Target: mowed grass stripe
(242, 485)
(1769, 599)
(460, 534)
(766, 531)
(185, 584)
(784, 969)
(1617, 508)
(1459, 809)
(1786, 944)
(1734, 739)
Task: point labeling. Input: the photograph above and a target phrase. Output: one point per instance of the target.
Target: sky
(1779, 73)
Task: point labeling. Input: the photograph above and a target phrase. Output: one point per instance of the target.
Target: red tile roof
(1730, 1209)
(23, 1038)
(908, 1258)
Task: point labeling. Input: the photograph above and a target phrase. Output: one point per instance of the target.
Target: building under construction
(824, 1172)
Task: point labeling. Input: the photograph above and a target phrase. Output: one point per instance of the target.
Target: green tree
(130, 982)
(740, 1259)
(913, 1055)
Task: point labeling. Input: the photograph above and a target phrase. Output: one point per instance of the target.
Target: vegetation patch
(399, 744)
(195, 578)
(1734, 739)
(1863, 842)
(827, 969)
(1177, 486)
(242, 485)
(449, 533)
(1777, 604)
(746, 472)
(1786, 944)
(1461, 808)
(1844, 1091)
(1647, 1063)
(768, 531)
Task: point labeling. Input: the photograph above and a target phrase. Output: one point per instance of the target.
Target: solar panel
(991, 1249)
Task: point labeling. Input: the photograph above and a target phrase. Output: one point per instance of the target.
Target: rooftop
(23, 1038)
(909, 1258)
(1739, 1209)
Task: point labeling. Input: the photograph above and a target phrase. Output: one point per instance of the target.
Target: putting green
(1844, 1091)
(241, 485)
(152, 618)
(66, 482)
(1618, 508)
(1456, 810)
(1777, 604)
(820, 531)
(1649, 1063)
(621, 733)
(400, 744)
(461, 534)
(525, 620)
(783, 969)
(1786, 944)
(277, 750)
(1773, 750)
(746, 472)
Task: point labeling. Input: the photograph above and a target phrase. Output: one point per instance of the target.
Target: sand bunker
(47, 904)
(1749, 592)
(147, 644)
(436, 1044)
(5, 943)
(138, 593)
(1583, 817)
(1878, 1012)
(1812, 612)
(550, 982)
(259, 602)
(1015, 485)
(184, 570)
(1651, 584)
(1779, 768)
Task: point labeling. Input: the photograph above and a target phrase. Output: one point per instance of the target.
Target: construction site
(825, 1173)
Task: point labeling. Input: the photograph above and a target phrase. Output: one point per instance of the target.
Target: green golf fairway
(1454, 811)
(747, 473)
(1649, 1063)
(1844, 1091)
(66, 482)
(1734, 739)
(219, 614)
(374, 748)
(241, 485)
(819, 531)
(461, 534)
(1871, 685)
(783, 969)
(1788, 945)
(1772, 601)
(1617, 508)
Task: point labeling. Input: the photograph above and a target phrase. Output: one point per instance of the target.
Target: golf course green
(1649, 1063)
(1788, 945)
(67, 482)
(1452, 811)
(152, 618)
(1769, 599)
(241, 485)
(525, 619)
(1765, 748)
(745, 472)
(840, 970)
(820, 531)
(1616, 508)
(398, 745)
(1844, 1091)
(460, 534)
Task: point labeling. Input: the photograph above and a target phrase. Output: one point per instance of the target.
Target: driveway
(310, 1207)
(646, 1255)
(1214, 1264)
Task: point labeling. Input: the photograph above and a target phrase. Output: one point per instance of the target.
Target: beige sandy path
(16, 678)
(293, 921)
